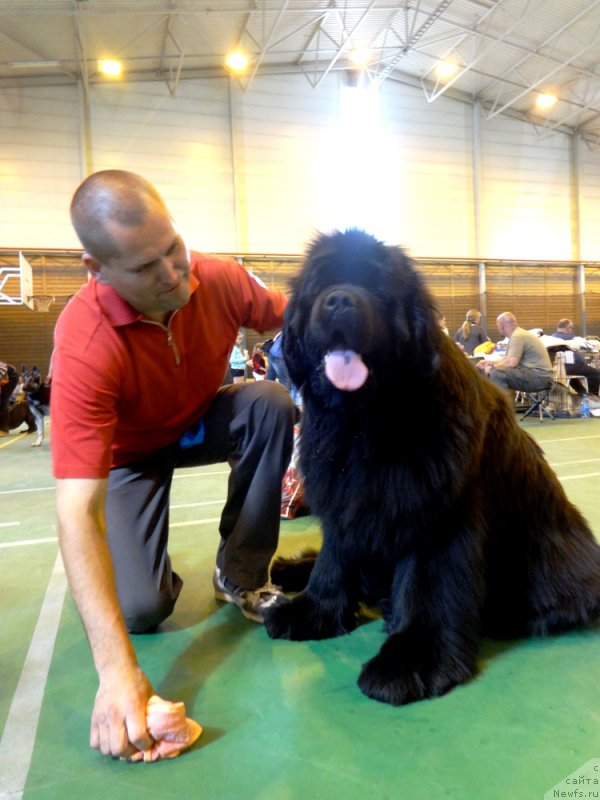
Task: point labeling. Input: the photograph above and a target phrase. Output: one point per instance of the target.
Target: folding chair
(537, 400)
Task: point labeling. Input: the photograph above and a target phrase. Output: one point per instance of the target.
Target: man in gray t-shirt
(526, 367)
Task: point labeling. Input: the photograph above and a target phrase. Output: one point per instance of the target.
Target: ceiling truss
(506, 51)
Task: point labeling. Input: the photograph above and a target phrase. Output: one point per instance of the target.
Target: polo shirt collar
(117, 310)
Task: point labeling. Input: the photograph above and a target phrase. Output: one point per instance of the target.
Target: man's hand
(119, 717)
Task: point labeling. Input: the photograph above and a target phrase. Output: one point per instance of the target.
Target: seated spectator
(8, 382)
(471, 334)
(442, 323)
(526, 367)
(258, 363)
(564, 330)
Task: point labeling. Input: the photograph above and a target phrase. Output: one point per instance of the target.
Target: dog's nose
(339, 300)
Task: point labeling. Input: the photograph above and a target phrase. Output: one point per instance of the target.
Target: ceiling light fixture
(446, 70)
(110, 67)
(360, 56)
(545, 101)
(237, 61)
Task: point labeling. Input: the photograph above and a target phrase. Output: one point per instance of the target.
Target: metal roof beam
(347, 35)
(540, 47)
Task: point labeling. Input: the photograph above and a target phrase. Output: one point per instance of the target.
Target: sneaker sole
(225, 597)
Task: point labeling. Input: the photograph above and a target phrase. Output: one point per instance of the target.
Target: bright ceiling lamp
(446, 70)
(360, 56)
(545, 101)
(237, 61)
(110, 67)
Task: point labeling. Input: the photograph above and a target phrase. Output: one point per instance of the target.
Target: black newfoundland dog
(434, 504)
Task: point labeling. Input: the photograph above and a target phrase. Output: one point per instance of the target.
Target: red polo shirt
(124, 386)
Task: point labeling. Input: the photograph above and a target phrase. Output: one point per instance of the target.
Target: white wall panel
(283, 131)
(430, 151)
(262, 170)
(180, 143)
(39, 166)
(525, 202)
(589, 179)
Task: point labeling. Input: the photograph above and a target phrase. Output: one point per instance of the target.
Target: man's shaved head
(112, 195)
(507, 317)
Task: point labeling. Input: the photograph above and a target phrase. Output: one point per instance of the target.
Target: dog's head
(32, 379)
(358, 310)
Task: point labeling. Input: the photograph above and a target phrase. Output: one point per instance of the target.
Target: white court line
(175, 477)
(579, 461)
(28, 542)
(21, 491)
(199, 474)
(16, 745)
(193, 522)
(8, 524)
(577, 477)
(186, 524)
(568, 439)
(205, 503)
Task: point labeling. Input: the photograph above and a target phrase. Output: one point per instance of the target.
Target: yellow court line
(13, 439)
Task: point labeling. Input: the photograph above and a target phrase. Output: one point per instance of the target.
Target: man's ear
(94, 266)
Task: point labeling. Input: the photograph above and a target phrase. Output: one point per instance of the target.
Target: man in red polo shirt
(140, 354)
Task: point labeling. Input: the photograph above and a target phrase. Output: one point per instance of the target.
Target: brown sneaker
(251, 602)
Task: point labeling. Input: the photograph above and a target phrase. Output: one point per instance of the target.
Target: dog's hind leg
(565, 584)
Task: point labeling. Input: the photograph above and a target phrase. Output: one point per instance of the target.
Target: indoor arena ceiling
(505, 52)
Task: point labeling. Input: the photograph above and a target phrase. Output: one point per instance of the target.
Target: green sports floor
(282, 720)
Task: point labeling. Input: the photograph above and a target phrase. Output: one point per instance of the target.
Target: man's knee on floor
(144, 613)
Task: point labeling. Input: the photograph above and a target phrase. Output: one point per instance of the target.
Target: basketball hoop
(42, 302)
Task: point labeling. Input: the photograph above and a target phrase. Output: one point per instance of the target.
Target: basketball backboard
(26, 282)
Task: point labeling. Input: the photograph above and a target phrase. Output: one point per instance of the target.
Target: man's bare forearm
(85, 552)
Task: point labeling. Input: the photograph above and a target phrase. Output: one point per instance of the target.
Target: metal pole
(575, 181)
(482, 292)
(581, 299)
(85, 130)
(476, 169)
(234, 170)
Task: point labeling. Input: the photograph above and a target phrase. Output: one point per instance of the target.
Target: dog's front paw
(304, 618)
(398, 680)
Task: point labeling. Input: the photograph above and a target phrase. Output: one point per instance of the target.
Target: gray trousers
(520, 379)
(248, 425)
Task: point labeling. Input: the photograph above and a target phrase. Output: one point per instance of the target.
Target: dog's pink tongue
(346, 370)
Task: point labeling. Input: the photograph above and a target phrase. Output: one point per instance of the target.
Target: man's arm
(118, 725)
(508, 362)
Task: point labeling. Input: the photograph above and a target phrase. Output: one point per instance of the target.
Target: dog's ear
(418, 333)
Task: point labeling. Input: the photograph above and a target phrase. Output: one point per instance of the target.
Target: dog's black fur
(433, 501)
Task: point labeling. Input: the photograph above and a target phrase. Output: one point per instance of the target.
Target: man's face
(151, 269)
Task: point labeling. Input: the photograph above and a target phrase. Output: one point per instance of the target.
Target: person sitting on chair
(564, 330)
(526, 367)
